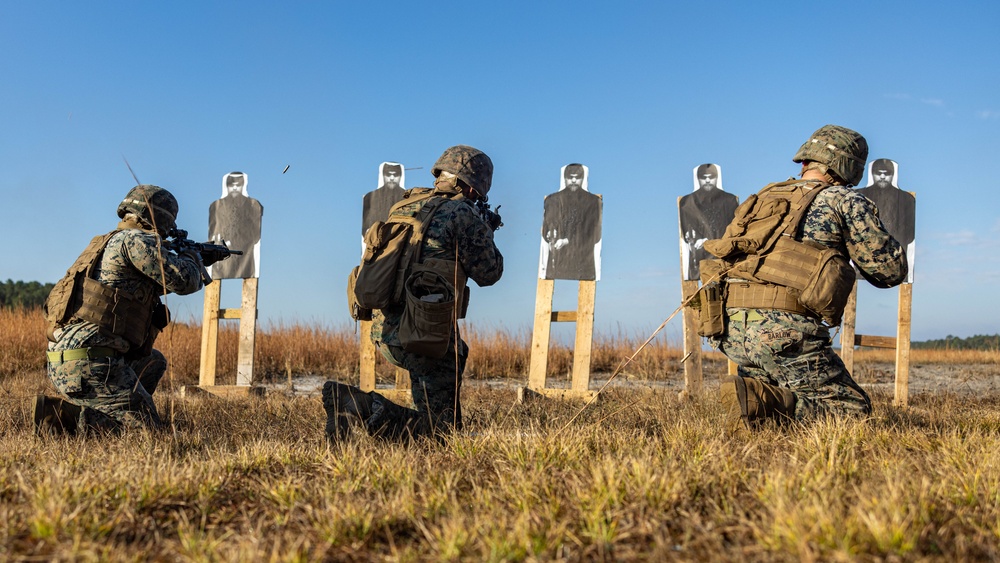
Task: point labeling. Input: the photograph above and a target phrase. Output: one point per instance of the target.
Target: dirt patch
(975, 379)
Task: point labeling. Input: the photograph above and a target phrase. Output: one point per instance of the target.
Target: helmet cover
(842, 150)
(470, 165)
(155, 206)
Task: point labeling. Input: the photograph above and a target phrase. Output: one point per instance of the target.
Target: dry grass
(638, 475)
(297, 349)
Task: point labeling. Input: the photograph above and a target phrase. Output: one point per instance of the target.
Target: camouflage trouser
(794, 352)
(435, 385)
(114, 392)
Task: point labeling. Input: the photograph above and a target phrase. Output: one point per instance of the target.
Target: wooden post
(847, 333)
(248, 333)
(367, 353)
(541, 334)
(902, 395)
(584, 335)
(693, 368)
(544, 317)
(210, 333)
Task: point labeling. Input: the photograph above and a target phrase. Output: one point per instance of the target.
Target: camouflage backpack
(392, 247)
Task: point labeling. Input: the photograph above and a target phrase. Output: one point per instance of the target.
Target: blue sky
(640, 92)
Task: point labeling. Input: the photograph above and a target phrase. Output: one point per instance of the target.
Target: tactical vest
(393, 252)
(80, 297)
(766, 265)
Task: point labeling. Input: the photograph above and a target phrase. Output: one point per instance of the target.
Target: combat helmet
(153, 205)
(470, 165)
(842, 150)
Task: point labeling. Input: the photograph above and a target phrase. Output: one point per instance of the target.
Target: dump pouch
(452, 271)
(426, 325)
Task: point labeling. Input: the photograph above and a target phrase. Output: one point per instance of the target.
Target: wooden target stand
(544, 317)
(247, 315)
(694, 375)
(401, 394)
(901, 342)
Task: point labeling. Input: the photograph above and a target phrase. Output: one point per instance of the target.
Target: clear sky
(640, 92)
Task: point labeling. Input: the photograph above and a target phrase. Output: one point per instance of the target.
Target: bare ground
(972, 379)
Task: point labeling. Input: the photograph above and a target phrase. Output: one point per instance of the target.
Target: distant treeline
(977, 342)
(21, 294)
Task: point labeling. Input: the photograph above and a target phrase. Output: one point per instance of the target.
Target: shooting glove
(209, 257)
(192, 254)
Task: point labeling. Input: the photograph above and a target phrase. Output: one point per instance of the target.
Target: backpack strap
(792, 223)
(418, 223)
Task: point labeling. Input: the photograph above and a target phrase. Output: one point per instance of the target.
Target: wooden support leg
(847, 334)
(584, 335)
(367, 367)
(693, 369)
(902, 396)
(248, 333)
(540, 334)
(210, 334)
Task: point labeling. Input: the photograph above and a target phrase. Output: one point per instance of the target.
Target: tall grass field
(639, 474)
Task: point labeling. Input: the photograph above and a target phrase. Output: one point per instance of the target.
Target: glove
(209, 257)
(192, 254)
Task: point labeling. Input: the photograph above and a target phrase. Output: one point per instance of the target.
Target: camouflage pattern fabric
(842, 218)
(794, 351)
(117, 387)
(456, 232)
(435, 385)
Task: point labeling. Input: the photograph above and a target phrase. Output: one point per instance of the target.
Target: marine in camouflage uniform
(107, 376)
(787, 366)
(456, 232)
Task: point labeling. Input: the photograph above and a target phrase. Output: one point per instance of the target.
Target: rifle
(492, 218)
(210, 253)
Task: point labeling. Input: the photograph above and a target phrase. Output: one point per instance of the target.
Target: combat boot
(53, 416)
(344, 404)
(753, 401)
